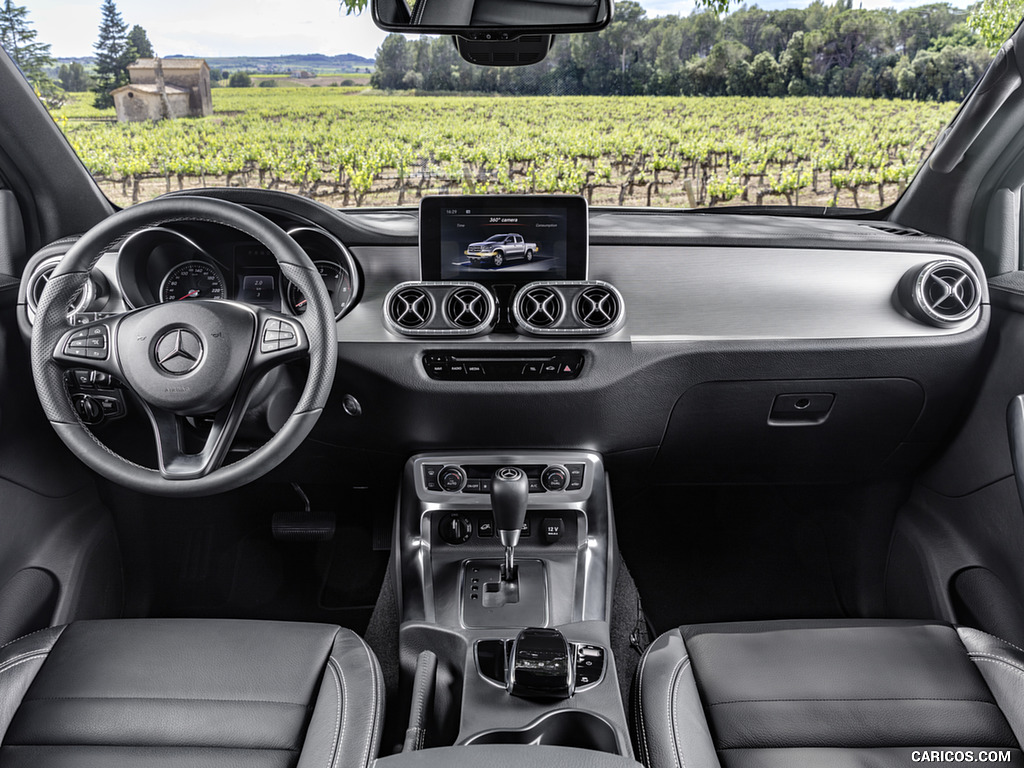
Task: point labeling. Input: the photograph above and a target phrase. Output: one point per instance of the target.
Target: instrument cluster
(163, 265)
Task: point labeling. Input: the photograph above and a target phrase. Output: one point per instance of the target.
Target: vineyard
(347, 147)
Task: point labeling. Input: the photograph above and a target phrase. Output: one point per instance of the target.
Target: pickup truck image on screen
(520, 244)
(496, 250)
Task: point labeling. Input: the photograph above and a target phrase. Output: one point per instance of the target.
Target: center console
(505, 567)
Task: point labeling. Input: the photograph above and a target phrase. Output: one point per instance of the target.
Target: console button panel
(476, 478)
(544, 527)
(492, 366)
(492, 660)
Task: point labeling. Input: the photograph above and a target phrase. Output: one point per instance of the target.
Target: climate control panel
(476, 478)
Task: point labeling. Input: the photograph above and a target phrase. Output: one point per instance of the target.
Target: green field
(348, 146)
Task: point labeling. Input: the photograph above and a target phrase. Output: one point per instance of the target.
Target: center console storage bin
(505, 756)
(561, 728)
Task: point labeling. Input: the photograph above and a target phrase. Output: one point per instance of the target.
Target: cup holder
(564, 728)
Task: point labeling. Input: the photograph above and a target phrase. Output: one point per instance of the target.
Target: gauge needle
(190, 295)
(300, 303)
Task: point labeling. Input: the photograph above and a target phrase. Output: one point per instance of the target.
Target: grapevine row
(361, 149)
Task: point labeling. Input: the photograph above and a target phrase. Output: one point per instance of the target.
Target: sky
(266, 27)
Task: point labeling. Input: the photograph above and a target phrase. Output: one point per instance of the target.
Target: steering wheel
(182, 359)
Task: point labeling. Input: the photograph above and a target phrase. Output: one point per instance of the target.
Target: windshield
(670, 106)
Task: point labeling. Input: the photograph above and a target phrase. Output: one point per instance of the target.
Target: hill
(317, 63)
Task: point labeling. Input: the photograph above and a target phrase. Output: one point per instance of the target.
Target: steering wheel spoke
(170, 431)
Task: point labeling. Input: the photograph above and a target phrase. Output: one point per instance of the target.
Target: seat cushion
(837, 693)
(189, 692)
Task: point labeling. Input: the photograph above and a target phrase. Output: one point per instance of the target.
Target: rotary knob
(455, 528)
(554, 478)
(451, 479)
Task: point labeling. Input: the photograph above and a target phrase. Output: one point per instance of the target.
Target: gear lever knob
(510, 492)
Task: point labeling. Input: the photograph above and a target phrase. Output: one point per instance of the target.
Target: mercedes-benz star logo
(179, 351)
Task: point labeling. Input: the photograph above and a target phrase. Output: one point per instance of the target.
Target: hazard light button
(566, 368)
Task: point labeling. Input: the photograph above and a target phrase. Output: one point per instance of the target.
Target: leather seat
(173, 692)
(787, 694)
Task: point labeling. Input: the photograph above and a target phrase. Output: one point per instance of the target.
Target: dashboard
(193, 260)
(682, 346)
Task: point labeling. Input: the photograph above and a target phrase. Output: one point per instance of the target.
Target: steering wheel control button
(452, 479)
(179, 351)
(88, 343)
(555, 478)
(278, 335)
(455, 528)
(552, 529)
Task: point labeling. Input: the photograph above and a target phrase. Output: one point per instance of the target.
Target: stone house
(165, 89)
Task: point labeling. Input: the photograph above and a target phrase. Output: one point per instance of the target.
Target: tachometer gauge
(192, 280)
(339, 286)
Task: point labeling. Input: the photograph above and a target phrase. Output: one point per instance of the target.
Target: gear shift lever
(510, 492)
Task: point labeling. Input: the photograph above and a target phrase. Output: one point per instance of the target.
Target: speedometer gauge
(192, 280)
(337, 281)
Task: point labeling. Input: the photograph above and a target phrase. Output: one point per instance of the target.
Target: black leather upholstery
(180, 692)
(836, 693)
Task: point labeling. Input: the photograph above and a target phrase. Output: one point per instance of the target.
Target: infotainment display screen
(506, 238)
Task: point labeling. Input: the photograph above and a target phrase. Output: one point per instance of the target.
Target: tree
(139, 40)
(240, 80)
(995, 20)
(113, 55)
(32, 57)
(73, 77)
(393, 61)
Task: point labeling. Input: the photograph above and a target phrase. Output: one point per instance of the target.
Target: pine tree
(113, 55)
(19, 40)
(139, 40)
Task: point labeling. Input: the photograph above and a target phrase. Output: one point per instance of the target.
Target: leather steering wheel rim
(51, 327)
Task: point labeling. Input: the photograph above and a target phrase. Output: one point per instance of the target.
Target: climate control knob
(554, 478)
(451, 479)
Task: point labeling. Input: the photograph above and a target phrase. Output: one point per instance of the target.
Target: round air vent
(410, 308)
(467, 308)
(597, 307)
(941, 293)
(540, 307)
(37, 284)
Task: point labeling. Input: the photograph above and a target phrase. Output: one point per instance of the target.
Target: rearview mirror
(491, 19)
